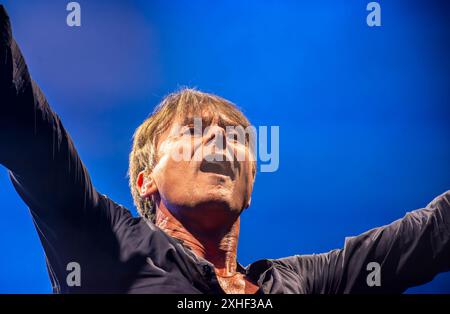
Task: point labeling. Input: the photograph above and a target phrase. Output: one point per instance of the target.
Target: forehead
(208, 110)
(207, 117)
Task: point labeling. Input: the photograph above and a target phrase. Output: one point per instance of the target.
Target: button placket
(207, 272)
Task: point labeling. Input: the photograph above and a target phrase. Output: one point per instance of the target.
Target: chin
(218, 194)
(216, 200)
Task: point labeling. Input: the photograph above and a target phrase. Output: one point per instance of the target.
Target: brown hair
(180, 104)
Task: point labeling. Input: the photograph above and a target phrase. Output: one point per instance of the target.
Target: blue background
(363, 112)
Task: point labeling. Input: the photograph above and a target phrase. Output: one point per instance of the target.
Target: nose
(216, 136)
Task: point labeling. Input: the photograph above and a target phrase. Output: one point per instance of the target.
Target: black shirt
(120, 253)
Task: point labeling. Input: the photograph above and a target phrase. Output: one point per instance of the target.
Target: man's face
(199, 175)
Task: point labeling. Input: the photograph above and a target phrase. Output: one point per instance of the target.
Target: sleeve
(34, 145)
(409, 252)
(73, 220)
(44, 165)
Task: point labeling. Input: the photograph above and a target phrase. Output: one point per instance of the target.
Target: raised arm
(44, 165)
(409, 251)
(74, 222)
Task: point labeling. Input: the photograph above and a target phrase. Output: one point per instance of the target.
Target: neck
(219, 248)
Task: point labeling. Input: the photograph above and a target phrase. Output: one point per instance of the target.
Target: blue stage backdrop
(363, 111)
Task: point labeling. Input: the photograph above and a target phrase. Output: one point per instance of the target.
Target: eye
(234, 137)
(189, 130)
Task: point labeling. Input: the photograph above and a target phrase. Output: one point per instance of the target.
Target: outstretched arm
(44, 165)
(409, 251)
(74, 221)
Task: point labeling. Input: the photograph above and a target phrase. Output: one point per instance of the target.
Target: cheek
(179, 149)
(171, 172)
(172, 177)
(245, 184)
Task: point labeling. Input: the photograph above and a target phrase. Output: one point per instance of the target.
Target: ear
(145, 185)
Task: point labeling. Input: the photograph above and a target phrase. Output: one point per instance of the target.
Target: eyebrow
(207, 120)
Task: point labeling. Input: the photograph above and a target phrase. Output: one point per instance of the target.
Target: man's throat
(219, 249)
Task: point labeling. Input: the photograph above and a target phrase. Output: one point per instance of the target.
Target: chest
(237, 285)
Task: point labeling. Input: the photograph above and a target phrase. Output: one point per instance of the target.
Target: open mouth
(218, 165)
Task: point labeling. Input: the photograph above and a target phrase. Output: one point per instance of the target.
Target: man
(186, 238)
